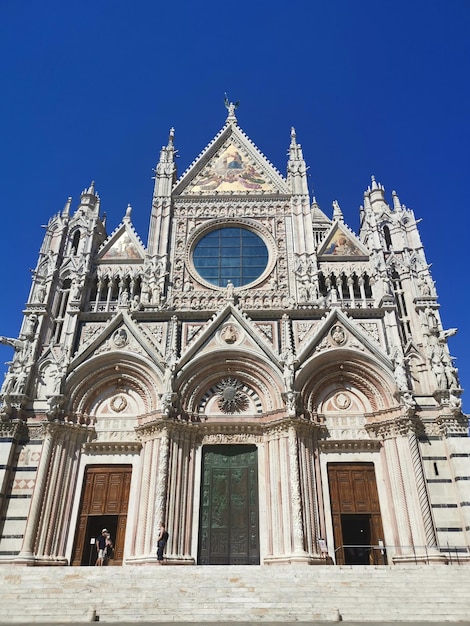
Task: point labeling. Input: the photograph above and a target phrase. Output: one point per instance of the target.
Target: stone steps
(234, 594)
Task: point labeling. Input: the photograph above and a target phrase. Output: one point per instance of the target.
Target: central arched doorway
(229, 526)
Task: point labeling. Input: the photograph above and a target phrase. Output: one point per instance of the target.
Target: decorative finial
(171, 137)
(337, 213)
(293, 137)
(66, 209)
(231, 108)
(396, 201)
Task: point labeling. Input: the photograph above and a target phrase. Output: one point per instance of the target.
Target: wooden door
(104, 503)
(355, 509)
(229, 533)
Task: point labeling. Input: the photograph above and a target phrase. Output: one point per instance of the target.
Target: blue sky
(91, 88)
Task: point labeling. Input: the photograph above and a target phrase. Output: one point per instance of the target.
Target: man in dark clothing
(101, 546)
(161, 542)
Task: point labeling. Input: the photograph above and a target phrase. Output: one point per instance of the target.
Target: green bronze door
(229, 533)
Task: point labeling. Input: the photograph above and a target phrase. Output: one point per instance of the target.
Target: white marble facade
(325, 350)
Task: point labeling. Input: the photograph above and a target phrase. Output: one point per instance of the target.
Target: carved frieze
(372, 330)
(267, 329)
(156, 332)
(121, 339)
(88, 332)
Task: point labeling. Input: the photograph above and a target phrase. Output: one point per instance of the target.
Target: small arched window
(387, 237)
(75, 242)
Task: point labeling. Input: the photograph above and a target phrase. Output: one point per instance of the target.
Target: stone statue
(77, 291)
(440, 372)
(157, 295)
(30, 325)
(21, 381)
(399, 373)
(303, 293)
(41, 293)
(289, 367)
(229, 291)
(136, 305)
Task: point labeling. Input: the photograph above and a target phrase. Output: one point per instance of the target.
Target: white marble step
(238, 593)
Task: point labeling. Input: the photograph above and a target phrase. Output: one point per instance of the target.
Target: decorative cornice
(15, 429)
(372, 445)
(108, 447)
(399, 427)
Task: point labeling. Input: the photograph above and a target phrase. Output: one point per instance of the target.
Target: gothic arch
(101, 379)
(257, 380)
(365, 382)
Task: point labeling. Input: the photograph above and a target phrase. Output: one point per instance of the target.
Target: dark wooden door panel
(104, 503)
(355, 511)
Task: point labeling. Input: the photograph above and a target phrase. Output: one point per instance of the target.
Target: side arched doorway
(104, 503)
(229, 520)
(355, 510)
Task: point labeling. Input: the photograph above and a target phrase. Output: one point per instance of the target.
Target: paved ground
(235, 623)
(365, 623)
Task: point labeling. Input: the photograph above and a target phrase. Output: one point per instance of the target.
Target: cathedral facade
(272, 386)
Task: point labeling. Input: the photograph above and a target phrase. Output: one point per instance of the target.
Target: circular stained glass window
(230, 254)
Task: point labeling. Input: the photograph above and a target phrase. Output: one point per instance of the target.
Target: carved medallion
(229, 334)
(338, 335)
(120, 338)
(231, 397)
(342, 401)
(118, 403)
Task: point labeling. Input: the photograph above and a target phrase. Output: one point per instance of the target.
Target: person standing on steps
(161, 542)
(101, 542)
(108, 549)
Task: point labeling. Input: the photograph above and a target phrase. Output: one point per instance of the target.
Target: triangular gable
(230, 320)
(337, 330)
(341, 243)
(231, 164)
(122, 333)
(123, 244)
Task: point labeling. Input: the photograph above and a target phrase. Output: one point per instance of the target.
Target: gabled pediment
(123, 245)
(231, 164)
(337, 330)
(342, 243)
(120, 334)
(230, 329)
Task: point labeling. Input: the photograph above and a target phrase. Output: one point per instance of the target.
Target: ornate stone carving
(342, 401)
(338, 335)
(371, 329)
(120, 338)
(229, 334)
(232, 399)
(118, 403)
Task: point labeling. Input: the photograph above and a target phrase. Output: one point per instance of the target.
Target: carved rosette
(231, 397)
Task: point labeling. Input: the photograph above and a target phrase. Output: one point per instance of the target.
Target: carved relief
(119, 403)
(89, 332)
(155, 331)
(230, 334)
(342, 401)
(231, 397)
(120, 338)
(371, 329)
(267, 330)
(338, 335)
